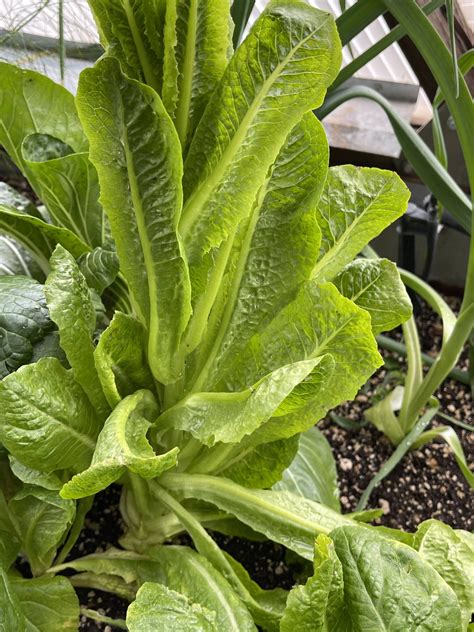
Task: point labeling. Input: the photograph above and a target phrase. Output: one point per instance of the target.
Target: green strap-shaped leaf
(280, 72)
(228, 417)
(120, 359)
(388, 586)
(375, 285)
(122, 444)
(71, 308)
(67, 184)
(383, 415)
(197, 42)
(449, 553)
(313, 606)
(141, 193)
(355, 206)
(281, 516)
(275, 253)
(47, 419)
(30, 102)
(159, 608)
(132, 32)
(24, 321)
(193, 575)
(99, 267)
(312, 473)
(42, 520)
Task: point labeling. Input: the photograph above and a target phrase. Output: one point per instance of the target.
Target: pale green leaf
(120, 358)
(47, 419)
(122, 444)
(388, 586)
(355, 206)
(132, 32)
(281, 516)
(280, 72)
(67, 184)
(24, 321)
(382, 415)
(196, 45)
(71, 308)
(9, 548)
(42, 520)
(137, 153)
(312, 473)
(192, 575)
(448, 552)
(30, 102)
(228, 417)
(311, 607)
(30, 476)
(375, 285)
(159, 608)
(46, 604)
(275, 252)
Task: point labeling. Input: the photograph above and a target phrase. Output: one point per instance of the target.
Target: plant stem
(96, 616)
(396, 456)
(83, 507)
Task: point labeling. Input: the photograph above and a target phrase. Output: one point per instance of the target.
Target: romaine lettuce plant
(203, 285)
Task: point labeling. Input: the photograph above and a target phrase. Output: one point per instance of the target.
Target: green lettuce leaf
(355, 206)
(452, 556)
(249, 116)
(99, 268)
(132, 32)
(120, 359)
(375, 285)
(141, 193)
(42, 520)
(197, 39)
(122, 444)
(24, 321)
(159, 608)
(47, 419)
(312, 473)
(30, 476)
(71, 308)
(67, 184)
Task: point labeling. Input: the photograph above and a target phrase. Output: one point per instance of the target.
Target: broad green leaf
(228, 417)
(30, 476)
(312, 473)
(47, 419)
(9, 549)
(375, 285)
(120, 359)
(262, 466)
(141, 193)
(122, 444)
(282, 516)
(15, 259)
(132, 32)
(196, 44)
(37, 236)
(388, 586)
(44, 604)
(30, 102)
(311, 607)
(355, 206)
(42, 520)
(277, 250)
(24, 321)
(158, 608)
(318, 322)
(382, 415)
(193, 575)
(447, 551)
(67, 184)
(71, 308)
(99, 267)
(280, 72)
